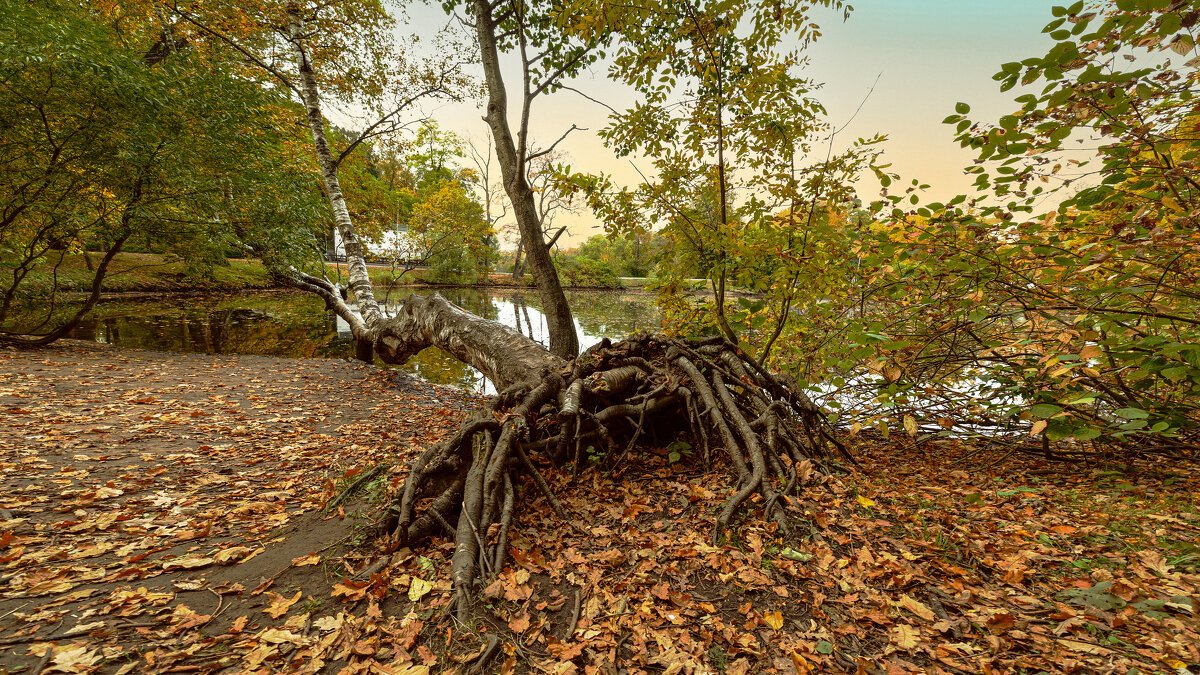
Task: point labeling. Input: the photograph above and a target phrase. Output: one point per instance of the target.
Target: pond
(296, 324)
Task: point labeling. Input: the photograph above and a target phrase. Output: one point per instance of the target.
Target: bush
(588, 273)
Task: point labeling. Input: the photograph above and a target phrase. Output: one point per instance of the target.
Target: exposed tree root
(610, 398)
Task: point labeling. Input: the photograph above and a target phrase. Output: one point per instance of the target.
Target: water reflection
(293, 324)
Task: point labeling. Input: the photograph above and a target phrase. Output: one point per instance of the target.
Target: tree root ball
(610, 397)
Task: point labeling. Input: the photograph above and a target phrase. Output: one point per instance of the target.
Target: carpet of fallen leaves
(163, 513)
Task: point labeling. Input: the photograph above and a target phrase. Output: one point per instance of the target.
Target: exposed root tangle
(709, 392)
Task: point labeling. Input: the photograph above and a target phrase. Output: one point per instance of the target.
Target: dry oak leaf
(908, 602)
(279, 604)
(239, 624)
(905, 636)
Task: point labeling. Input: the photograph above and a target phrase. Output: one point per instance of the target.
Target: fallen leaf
(418, 589)
(279, 604)
(186, 563)
(905, 636)
(228, 556)
(519, 624)
(908, 602)
(773, 619)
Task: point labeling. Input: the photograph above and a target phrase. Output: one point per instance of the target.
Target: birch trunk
(359, 281)
(504, 356)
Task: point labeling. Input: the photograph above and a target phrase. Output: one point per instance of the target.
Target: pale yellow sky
(926, 54)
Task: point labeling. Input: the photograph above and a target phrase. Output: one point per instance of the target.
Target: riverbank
(154, 273)
(162, 513)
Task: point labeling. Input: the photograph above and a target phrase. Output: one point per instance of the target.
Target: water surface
(296, 324)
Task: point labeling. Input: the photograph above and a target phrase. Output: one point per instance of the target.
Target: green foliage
(632, 255)
(587, 273)
(102, 144)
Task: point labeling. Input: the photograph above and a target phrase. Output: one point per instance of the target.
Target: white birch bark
(359, 281)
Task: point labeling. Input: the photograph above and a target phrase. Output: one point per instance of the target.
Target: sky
(905, 62)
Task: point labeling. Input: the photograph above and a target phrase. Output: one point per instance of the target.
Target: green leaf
(962, 108)
(1133, 413)
(1045, 410)
(824, 647)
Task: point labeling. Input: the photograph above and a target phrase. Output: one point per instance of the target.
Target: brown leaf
(519, 624)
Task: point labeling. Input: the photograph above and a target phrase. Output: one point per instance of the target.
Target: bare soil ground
(161, 513)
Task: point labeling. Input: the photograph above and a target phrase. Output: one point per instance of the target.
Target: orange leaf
(519, 624)
(310, 559)
(279, 604)
(773, 619)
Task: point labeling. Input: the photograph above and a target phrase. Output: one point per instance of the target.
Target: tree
(548, 56)
(727, 120)
(1069, 332)
(106, 141)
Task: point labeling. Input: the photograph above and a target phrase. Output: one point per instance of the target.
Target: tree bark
(504, 356)
(359, 280)
(564, 342)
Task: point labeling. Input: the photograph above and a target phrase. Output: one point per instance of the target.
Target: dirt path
(148, 495)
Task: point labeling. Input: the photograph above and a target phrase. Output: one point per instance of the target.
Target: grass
(139, 272)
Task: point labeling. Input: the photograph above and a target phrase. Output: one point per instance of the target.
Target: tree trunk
(518, 261)
(503, 355)
(359, 280)
(564, 342)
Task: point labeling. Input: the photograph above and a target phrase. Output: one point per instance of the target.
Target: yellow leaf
(186, 563)
(279, 604)
(866, 502)
(915, 606)
(277, 636)
(905, 637)
(228, 556)
(773, 619)
(1038, 427)
(418, 589)
(910, 425)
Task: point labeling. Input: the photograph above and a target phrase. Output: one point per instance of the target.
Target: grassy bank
(141, 272)
(148, 272)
